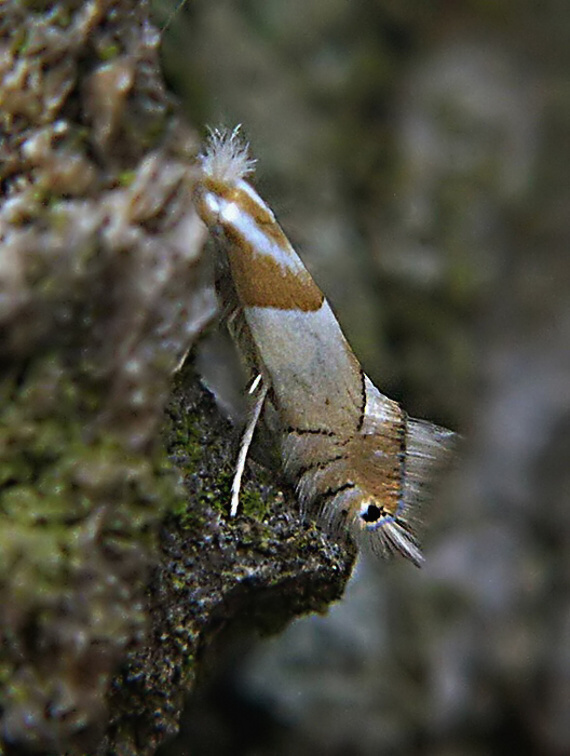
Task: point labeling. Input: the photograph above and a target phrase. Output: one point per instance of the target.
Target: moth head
(221, 192)
(226, 156)
(207, 202)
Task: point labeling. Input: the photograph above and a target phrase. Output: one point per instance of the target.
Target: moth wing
(426, 451)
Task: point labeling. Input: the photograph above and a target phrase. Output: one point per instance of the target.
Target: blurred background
(417, 154)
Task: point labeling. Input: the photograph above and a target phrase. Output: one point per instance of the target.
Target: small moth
(353, 455)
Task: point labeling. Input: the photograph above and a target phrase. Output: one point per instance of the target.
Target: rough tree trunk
(115, 576)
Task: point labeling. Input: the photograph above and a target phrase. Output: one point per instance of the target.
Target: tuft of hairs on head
(226, 155)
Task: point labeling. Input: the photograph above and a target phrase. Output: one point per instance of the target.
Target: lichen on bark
(113, 576)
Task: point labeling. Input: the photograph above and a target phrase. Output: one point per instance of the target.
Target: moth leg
(246, 440)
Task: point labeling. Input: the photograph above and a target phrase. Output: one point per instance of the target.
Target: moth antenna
(226, 156)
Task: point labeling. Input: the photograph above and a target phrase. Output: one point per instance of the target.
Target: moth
(354, 456)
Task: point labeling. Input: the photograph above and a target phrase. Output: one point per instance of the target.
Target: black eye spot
(372, 513)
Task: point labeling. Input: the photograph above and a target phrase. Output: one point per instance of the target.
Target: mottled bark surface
(117, 567)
